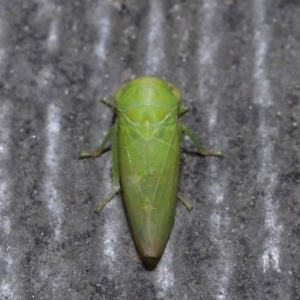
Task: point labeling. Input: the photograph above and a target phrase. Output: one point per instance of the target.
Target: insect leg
(107, 103)
(185, 202)
(105, 201)
(200, 148)
(99, 150)
(115, 171)
(182, 110)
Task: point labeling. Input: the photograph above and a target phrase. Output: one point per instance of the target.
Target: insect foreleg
(182, 110)
(200, 148)
(109, 104)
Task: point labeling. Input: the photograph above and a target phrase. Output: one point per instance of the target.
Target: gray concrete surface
(238, 66)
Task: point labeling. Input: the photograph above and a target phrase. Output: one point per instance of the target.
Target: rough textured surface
(237, 64)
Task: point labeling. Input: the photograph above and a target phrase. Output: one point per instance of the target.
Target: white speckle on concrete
(2, 50)
(10, 283)
(155, 49)
(220, 227)
(267, 174)
(217, 184)
(113, 224)
(51, 179)
(5, 192)
(52, 41)
(102, 17)
(164, 274)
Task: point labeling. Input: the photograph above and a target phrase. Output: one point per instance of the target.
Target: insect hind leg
(105, 201)
(185, 202)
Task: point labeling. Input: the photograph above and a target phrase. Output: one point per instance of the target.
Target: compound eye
(175, 91)
(119, 92)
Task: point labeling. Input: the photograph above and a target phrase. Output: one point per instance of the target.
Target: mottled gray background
(237, 64)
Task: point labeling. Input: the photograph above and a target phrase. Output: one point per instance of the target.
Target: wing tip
(150, 262)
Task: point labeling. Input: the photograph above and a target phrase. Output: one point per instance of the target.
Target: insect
(146, 147)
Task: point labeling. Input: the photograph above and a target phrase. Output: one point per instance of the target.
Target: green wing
(149, 165)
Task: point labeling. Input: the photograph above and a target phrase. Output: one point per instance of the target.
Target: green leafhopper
(146, 147)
